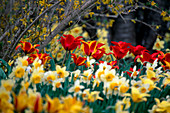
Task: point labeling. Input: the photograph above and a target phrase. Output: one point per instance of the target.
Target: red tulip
(69, 42)
(146, 57)
(118, 52)
(78, 61)
(98, 54)
(137, 50)
(120, 44)
(27, 47)
(43, 57)
(90, 47)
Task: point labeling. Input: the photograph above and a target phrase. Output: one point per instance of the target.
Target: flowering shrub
(102, 80)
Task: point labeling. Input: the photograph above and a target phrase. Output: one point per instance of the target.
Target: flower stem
(64, 58)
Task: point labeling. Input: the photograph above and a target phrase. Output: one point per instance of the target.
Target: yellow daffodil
(161, 107)
(101, 33)
(86, 76)
(52, 105)
(20, 101)
(18, 71)
(122, 106)
(35, 102)
(137, 96)
(92, 96)
(50, 76)
(109, 75)
(76, 31)
(76, 89)
(36, 77)
(22, 61)
(158, 44)
(62, 73)
(57, 83)
(8, 84)
(71, 105)
(76, 75)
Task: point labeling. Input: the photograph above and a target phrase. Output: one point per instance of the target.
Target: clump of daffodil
(76, 31)
(102, 33)
(161, 107)
(72, 105)
(22, 61)
(92, 96)
(8, 84)
(5, 99)
(137, 96)
(122, 106)
(18, 72)
(158, 44)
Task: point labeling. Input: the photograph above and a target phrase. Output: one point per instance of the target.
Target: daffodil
(109, 75)
(36, 77)
(37, 63)
(101, 33)
(8, 84)
(76, 75)
(22, 61)
(52, 105)
(144, 88)
(59, 56)
(57, 83)
(35, 102)
(166, 80)
(151, 83)
(99, 73)
(71, 105)
(111, 87)
(122, 106)
(18, 71)
(104, 66)
(87, 76)
(62, 73)
(137, 96)
(158, 44)
(76, 89)
(92, 96)
(76, 31)
(50, 76)
(20, 101)
(90, 62)
(160, 107)
(136, 84)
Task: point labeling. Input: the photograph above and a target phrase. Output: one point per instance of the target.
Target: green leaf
(68, 62)
(7, 66)
(52, 63)
(2, 74)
